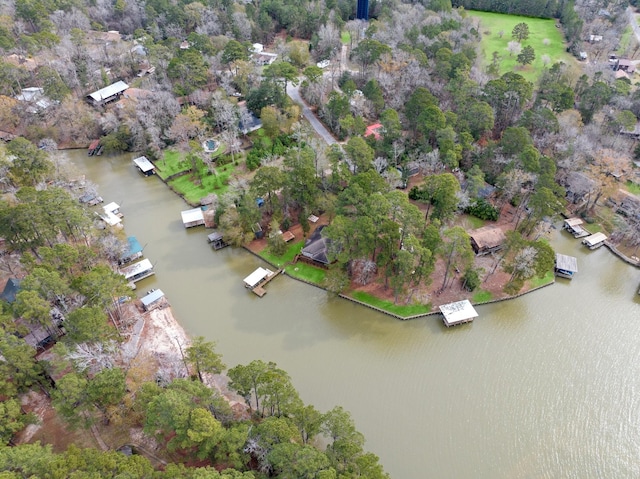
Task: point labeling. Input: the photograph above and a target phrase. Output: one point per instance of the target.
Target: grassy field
(540, 30)
(345, 38)
(633, 187)
(546, 279)
(400, 310)
(214, 183)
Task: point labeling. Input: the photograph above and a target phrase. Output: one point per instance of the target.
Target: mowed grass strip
(491, 24)
(287, 257)
(404, 310)
(171, 163)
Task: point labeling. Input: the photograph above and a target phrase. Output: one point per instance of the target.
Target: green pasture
(399, 309)
(345, 38)
(491, 24)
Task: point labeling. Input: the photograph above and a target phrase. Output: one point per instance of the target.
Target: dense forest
(457, 141)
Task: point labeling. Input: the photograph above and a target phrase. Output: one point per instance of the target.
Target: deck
(259, 290)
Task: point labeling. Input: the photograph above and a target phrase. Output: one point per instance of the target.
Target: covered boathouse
(137, 271)
(595, 240)
(458, 313)
(256, 280)
(566, 266)
(134, 251)
(144, 165)
(191, 218)
(216, 240)
(572, 225)
(153, 299)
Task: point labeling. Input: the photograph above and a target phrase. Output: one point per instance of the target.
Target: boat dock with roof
(258, 279)
(566, 266)
(458, 313)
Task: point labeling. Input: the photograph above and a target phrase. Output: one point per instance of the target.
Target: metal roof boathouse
(595, 240)
(566, 266)
(458, 313)
(144, 165)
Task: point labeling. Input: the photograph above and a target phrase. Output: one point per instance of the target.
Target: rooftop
(458, 312)
(567, 263)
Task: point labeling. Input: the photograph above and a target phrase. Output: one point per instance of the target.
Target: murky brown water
(546, 386)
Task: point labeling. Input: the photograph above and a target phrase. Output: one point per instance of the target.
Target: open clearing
(540, 29)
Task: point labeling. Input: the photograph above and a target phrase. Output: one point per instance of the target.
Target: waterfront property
(95, 148)
(316, 247)
(216, 240)
(193, 217)
(152, 299)
(107, 94)
(595, 240)
(144, 165)
(137, 271)
(458, 313)
(256, 280)
(572, 225)
(134, 251)
(566, 266)
(487, 239)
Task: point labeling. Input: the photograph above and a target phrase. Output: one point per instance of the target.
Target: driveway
(294, 93)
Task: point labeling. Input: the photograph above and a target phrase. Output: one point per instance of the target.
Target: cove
(546, 385)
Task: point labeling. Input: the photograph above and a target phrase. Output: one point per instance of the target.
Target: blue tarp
(134, 246)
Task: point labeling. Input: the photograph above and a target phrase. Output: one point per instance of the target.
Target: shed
(134, 250)
(216, 240)
(374, 130)
(107, 94)
(10, 290)
(109, 218)
(487, 239)
(194, 217)
(595, 240)
(566, 266)
(257, 277)
(458, 313)
(138, 271)
(151, 299)
(144, 165)
(90, 199)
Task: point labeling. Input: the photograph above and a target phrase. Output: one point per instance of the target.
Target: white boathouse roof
(108, 91)
(192, 217)
(136, 268)
(566, 263)
(594, 239)
(152, 297)
(144, 164)
(256, 277)
(458, 312)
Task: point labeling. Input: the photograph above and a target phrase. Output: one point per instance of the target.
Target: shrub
(482, 209)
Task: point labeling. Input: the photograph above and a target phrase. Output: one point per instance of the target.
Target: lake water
(545, 386)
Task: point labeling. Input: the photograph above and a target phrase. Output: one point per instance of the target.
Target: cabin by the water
(458, 313)
(107, 94)
(144, 165)
(572, 225)
(595, 240)
(566, 266)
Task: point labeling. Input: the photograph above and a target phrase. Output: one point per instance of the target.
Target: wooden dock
(259, 290)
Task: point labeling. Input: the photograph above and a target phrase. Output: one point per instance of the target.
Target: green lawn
(547, 278)
(491, 24)
(214, 183)
(288, 256)
(481, 297)
(633, 188)
(171, 163)
(400, 310)
(625, 41)
(345, 38)
(307, 272)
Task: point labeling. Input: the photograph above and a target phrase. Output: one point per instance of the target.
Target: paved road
(631, 13)
(294, 93)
